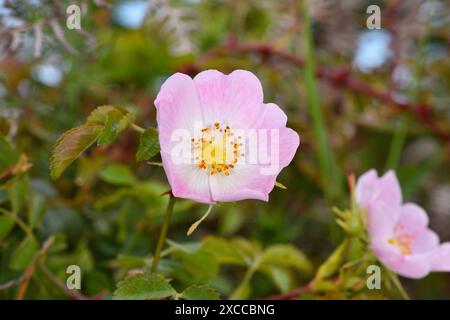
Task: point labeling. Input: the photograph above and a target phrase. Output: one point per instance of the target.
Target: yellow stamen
(403, 243)
(217, 150)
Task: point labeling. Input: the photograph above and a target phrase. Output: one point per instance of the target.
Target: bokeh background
(383, 96)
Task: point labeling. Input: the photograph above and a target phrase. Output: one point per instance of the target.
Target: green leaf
(70, 146)
(332, 264)
(111, 129)
(8, 155)
(6, 225)
(286, 255)
(143, 287)
(118, 175)
(223, 251)
(100, 114)
(24, 254)
(331, 174)
(148, 145)
(115, 123)
(203, 292)
(37, 210)
(187, 247)
(113, 119)
(200, 265)
(130, 262)
(17, 193)
(281, 278)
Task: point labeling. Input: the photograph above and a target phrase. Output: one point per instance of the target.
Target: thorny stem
(294, 294)
(162, 235)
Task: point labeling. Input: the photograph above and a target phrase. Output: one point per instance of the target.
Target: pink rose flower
(399, 233)
(204, 125)
(370, 190)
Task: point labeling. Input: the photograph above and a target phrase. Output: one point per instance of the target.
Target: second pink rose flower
(399, 233)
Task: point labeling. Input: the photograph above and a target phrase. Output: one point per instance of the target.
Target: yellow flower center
(403, 243)
(217, 149)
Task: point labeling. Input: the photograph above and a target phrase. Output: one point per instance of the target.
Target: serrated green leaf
(111, 128)
(6, 225)
(115, 124)
(143, 287)
(202, 292)
(117, 174)
(113, 119)
(286, 255)
(148, 145)
(24, 254)
(70, 146)
(100, 114)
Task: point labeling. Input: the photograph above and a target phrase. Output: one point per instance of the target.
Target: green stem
(396, 281)
(331, 178)
(238, 292)
(397, 144)
(162, 235)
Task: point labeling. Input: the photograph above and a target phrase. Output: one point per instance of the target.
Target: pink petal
(381, 222)
(390, 191)
(440, 258)
(211, 86)
(235, 99)
(256, 181)
(413, 266)
(272, 117)
(187, 180)
(276, 149)
(289, 143)
(177, 107)
(412, 218)
(244, 182)
(367, 189)
(425, 241)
